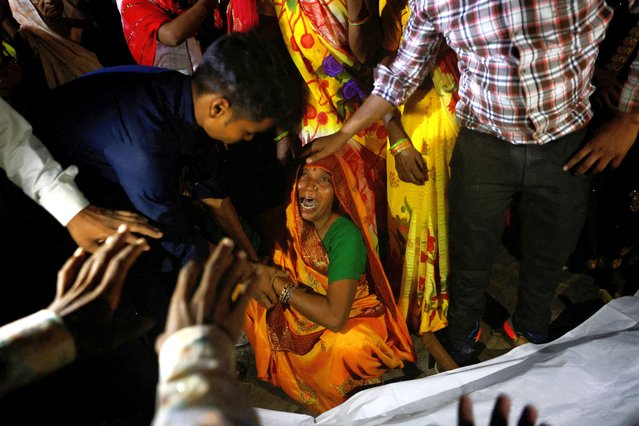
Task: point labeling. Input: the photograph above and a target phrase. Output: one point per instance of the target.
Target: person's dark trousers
(486, 173)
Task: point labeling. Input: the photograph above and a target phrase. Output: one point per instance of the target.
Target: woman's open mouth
(307, 203)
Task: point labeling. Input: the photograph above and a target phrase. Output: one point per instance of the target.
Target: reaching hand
(322, 147)
(500, 413)
(93, 225)
(411, 167)
(219, 299)
(263, 290)
(608, 146)
(89, 290)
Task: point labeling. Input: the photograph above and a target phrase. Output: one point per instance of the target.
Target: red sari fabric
(242, 15)
(141, 20)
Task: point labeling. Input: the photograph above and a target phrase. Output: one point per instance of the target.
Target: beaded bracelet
(360, 22)
(280, 136)
(403, 145)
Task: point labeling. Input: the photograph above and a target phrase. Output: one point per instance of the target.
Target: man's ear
(218, 107)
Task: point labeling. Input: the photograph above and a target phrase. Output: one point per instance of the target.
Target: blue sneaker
(518, 336)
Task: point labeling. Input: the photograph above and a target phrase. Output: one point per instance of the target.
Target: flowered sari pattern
(420, 213)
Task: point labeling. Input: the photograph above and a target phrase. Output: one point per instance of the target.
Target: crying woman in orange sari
(324, 323)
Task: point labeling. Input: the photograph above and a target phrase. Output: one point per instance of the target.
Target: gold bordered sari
(313, 365)
(419, 214)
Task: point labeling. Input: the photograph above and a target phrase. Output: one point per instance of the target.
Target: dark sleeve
(206, 174)
(151, 183)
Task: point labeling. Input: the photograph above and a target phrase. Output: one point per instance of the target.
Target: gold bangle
(359, 22)
(280, 136)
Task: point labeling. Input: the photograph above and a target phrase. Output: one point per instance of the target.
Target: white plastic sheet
(589, 376)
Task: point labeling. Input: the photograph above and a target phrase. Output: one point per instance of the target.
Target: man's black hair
(254, 75)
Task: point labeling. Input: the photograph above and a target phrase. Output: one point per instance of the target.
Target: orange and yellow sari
(313, 365)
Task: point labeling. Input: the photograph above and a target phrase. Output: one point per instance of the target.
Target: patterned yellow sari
(313, 365)
(420, 213)
(418, 218)
(316, 35)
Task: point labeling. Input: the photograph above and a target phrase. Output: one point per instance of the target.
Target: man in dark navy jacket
(136, 133)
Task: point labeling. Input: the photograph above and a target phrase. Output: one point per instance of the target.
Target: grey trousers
(486, 173)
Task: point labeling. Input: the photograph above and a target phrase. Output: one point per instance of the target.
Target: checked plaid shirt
(526, 66)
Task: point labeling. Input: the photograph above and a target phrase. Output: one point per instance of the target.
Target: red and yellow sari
(313, 365)
(315, 33)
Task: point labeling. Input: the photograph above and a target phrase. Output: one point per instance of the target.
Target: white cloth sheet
(589, 376)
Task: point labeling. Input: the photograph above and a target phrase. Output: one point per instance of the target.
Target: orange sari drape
(313, 365)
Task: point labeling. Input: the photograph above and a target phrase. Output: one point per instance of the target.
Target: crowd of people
(395, 142)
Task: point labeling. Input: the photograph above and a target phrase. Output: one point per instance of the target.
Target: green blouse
(346, 251)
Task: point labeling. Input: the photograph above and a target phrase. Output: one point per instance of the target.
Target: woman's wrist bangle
(397, 142)
(401, 145)
(280, 136)
(359, 21)
(287, 292)
(401, 148)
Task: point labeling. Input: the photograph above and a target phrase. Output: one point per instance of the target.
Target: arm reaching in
(29, 165)
(608, 146)
(263, 290)
(197, 382)
(373, 109)
(92, 225)
(79, 321)
(88, 293)
(226, 215)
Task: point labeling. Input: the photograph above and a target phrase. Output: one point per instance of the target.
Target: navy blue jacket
(136, 131)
